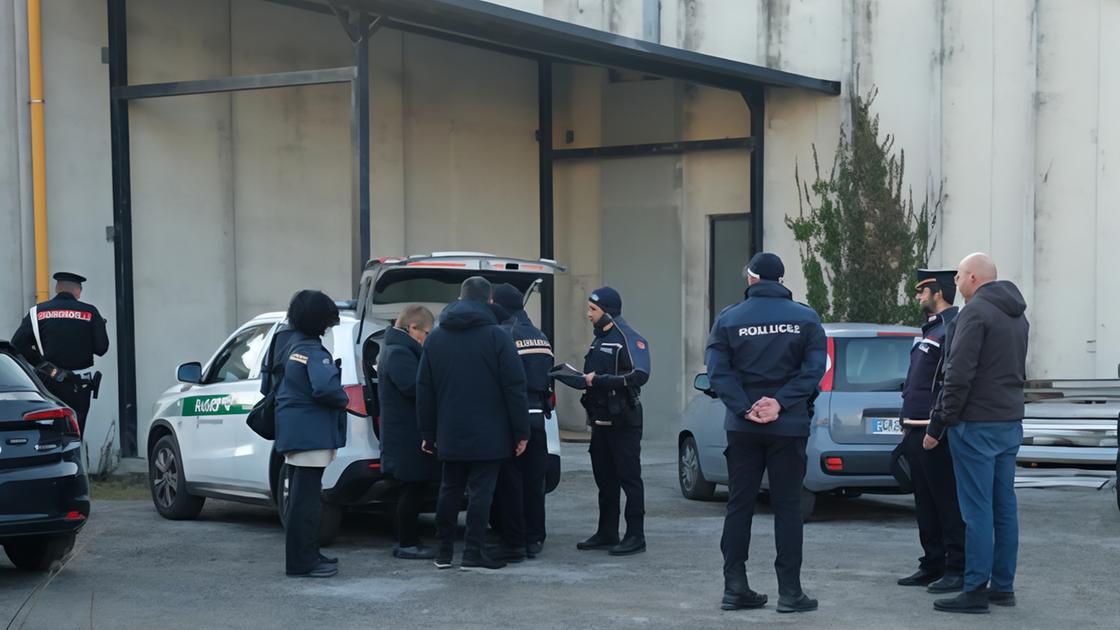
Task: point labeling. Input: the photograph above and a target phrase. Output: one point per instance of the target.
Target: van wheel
(168, 484)
(38, 553)
(330, 515)
(693, 484)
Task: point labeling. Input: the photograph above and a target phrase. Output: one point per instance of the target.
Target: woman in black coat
(310, 426)
(401, 456)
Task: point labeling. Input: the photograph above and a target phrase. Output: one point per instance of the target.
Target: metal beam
(756, 101)
(544, 166)
(659, 148)
(359, 143)
(122, 230)
(235, 84)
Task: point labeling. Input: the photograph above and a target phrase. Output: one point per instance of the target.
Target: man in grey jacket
(981, 404)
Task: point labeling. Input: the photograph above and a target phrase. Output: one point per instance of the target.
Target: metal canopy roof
(492, 25)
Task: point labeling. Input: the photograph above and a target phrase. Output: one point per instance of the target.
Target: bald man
(981, 406)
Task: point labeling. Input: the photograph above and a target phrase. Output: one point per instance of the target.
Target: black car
(44, 492)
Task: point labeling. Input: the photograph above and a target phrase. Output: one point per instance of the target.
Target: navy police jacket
(72, 332)
(619, 357)
(767, 345)
(536, 357)
(921, 387)
(310, 401)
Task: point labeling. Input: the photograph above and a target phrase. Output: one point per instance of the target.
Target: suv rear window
(13, 378)
(419, 290)
(872, 364)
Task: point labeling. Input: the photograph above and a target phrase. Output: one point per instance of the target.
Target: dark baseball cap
(765, 266)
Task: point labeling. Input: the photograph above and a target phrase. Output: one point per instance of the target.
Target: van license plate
(886, 426)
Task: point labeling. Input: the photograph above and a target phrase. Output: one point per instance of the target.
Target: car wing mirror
(704, 384)
(189, 373)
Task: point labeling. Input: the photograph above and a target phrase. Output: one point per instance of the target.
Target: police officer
(766, 356)
(940, 527)
(615, 368)
(59, 337)
(519, 499)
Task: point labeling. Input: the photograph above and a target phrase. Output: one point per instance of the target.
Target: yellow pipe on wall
(38, 148)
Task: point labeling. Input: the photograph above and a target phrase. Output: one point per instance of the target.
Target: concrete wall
(240, 199)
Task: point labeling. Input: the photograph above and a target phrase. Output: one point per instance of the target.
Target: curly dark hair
(312, 312)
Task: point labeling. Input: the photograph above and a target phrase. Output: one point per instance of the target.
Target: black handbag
(262, 418)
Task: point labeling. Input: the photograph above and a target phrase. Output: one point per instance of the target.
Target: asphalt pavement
(133, 569)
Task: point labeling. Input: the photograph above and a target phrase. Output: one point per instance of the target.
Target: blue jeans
(984, 462)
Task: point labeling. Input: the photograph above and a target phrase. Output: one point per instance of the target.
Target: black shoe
(971, 602)
(802, 603)
(327, 559)
(419, 552)
(479, 560)
(924, 577)
(506, 553)
(320, 571)
(737, 595)
(598, 541)
(534, 549)
(1001, 598)
(629, 546)
(947, 584)
(443, 558)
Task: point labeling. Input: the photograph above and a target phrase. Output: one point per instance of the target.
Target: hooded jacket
(986, 368)
(470, 391)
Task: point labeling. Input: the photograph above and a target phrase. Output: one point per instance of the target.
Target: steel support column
(359, 143)
(122, 230)
(756, 101)
(544, 164)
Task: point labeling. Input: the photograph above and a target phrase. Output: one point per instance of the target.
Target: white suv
(199, 446)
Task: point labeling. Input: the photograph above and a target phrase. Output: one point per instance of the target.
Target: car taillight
(830, 366)
(60, 413)
(356, 399)
(552, 400)
(74, 516)
(834, 464)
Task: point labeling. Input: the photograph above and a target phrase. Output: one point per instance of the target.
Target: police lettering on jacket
(921, 387)
(767, 346)
(72, 332)
(536, 357)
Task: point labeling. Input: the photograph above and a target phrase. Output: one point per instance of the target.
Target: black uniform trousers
(940, 526)
(409, 502)
(748, 456)
(478, 480)
(519, 498)
(76, 395)
(305, 504)
(616, 462)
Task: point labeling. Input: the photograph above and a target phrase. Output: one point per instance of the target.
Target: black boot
(923, 577)
(1001, 598)
(737, 594)
(630, 545)
(801, 603)
(598, 541)
(506, 553)
(971, 602)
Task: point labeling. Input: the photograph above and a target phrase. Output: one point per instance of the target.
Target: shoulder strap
(34, 315)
